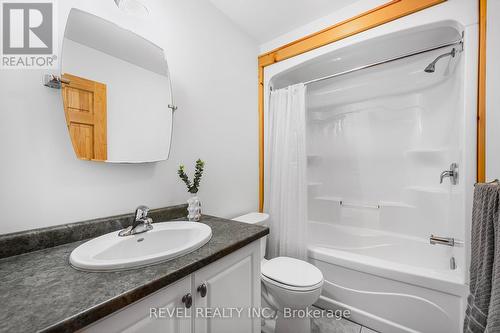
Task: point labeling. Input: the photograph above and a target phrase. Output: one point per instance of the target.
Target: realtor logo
(28, 34)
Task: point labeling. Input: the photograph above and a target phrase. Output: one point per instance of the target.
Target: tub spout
(453, 263)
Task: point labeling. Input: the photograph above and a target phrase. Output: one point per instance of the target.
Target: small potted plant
(194, 204)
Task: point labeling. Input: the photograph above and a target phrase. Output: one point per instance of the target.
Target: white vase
(194, 208)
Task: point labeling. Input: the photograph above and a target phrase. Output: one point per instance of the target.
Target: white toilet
(287, 283)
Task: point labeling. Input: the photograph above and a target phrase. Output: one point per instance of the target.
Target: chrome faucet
(452, 174)
(141, 223)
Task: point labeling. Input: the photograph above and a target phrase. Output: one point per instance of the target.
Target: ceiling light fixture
(133, 7)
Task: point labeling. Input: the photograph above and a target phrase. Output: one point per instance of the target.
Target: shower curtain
(286, 163)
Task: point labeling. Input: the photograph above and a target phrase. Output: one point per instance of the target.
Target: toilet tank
(258, 219)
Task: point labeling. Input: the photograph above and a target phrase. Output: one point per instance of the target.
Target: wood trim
(390, 11)
(481, 96)
(261, 139)
(385, 13)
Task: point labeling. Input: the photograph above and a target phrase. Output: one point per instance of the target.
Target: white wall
(492, 95)
(326, 21)
(213, 66)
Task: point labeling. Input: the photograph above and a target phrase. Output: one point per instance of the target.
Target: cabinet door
(151, 314)
(232, 282)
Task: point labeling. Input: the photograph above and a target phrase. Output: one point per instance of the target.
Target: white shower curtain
(286, 178)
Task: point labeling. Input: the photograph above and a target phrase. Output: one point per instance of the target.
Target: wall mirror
(116, 92)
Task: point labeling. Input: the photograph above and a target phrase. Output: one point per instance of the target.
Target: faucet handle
(452, 174)
(141, 212)
(148, 221)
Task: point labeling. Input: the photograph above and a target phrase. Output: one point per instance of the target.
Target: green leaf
(194, 186)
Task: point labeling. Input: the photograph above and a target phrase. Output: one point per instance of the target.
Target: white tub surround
(379, 136)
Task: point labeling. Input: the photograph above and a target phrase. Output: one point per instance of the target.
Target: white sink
(166, 241)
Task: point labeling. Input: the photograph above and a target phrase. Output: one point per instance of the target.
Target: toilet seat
(292, 274)
(291, 288)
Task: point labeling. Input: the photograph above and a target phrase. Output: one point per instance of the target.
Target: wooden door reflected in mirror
(86, 116)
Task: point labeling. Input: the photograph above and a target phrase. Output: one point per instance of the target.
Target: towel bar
(360, 205)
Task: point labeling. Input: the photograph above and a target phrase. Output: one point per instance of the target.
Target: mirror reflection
(116, 92)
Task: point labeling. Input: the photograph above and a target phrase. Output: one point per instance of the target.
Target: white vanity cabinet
(233, 287)
(221, 295)
(136, 317)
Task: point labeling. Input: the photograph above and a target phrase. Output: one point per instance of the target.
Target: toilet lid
(292, 272)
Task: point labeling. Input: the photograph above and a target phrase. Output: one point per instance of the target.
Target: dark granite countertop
(40, 291)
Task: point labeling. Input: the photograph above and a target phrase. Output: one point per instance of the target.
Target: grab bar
(360, 205)
(436, 240)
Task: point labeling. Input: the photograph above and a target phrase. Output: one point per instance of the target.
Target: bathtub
(389, 282)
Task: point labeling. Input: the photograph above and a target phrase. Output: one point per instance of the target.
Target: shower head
(431, 68)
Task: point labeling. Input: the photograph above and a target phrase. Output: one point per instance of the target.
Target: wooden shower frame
(481, 96)
(390, 11)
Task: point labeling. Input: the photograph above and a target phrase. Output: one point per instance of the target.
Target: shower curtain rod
(457, 42)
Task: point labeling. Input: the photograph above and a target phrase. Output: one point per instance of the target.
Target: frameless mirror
(116, 92)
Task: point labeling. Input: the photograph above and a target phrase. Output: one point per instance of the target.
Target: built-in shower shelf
(427, 151)
(395, 204)
(312, 157)
(436, 155)
(326, 198)
(318, 118)
(428, 189)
